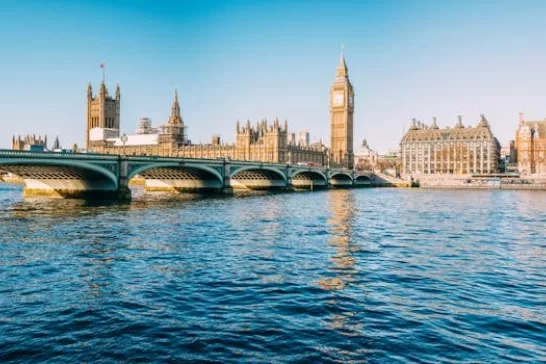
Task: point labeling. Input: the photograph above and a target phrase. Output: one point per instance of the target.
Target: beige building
(267, 142)
(458, 150)
(341, 118)
(531, 146)
(263, 142)
(103, 111)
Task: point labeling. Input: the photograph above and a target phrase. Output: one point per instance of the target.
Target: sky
(272, 59)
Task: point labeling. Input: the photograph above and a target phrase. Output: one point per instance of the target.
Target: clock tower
(341, 118)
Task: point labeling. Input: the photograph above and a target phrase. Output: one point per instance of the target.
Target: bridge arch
(341, 176)
(363, 178)
(309, 180)
(257, 177)
(258, 169)
(82, 166)
(341, 180)
(147, 167)
(311, 174)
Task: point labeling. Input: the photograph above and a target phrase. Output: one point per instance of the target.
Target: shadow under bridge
(64, 178)
(258, 178)
(177, 178)
(341, 180)
(309, 180)
(364, 180)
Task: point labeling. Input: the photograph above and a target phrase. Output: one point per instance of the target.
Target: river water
(367, 275)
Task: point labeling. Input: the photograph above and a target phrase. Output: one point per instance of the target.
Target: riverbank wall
(481, 182)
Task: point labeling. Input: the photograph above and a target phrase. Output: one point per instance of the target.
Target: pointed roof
(103, 90)
(434, 123)
(459, 122)
(342, 70)
(483, 122)
(175, 117)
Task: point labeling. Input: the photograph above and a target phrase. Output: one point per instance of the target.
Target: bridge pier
(227, 189)
(308, 185)
(74, 189)
(182, 186)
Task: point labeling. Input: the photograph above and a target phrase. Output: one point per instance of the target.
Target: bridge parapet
(9, 153)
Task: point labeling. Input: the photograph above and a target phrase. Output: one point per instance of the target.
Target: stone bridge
(89, 175)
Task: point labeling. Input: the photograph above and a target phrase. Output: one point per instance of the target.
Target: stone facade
(341, 118)
(264, 142)
(270, 143)
(103, 111)
(531, 146)
(457, 150)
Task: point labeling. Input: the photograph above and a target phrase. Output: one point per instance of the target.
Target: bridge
(90, 175)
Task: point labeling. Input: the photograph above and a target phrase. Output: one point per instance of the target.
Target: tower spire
(103, 69)
(175, 110)
(342, 70)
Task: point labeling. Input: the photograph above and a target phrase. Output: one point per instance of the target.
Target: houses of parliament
(264, 141)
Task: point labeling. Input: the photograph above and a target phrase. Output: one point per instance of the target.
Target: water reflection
(341, 221)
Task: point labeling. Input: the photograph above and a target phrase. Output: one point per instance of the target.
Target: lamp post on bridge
(123, 141)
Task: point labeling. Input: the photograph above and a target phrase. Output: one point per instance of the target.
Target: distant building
(291, 138)
(263, 142)
(458, 150)
(56, 144)
(305, 139)
(365, 157)
(103, 111)
(531, 146)
(508, 152)
(29, 142)
(145, 126)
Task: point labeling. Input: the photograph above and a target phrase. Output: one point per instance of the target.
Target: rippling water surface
(370, 275)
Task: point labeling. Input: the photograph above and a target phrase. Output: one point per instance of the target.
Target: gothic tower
(174, 131)
(341, 118)
(103, 111)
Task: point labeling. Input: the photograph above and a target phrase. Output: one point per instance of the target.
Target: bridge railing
(151, 158)
(9, 153)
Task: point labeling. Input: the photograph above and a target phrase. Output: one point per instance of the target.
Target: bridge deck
(44, 172)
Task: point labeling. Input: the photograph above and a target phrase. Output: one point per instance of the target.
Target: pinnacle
(342, 70)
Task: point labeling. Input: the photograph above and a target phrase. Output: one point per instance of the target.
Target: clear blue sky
(252, 59)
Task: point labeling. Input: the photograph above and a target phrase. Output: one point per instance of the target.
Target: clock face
(338, 98)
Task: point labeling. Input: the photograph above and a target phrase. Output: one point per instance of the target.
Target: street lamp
(123, 141)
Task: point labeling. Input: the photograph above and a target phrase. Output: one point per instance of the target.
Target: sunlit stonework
(457, 150)
(341, 118)
(531, 146)
(264, 142)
